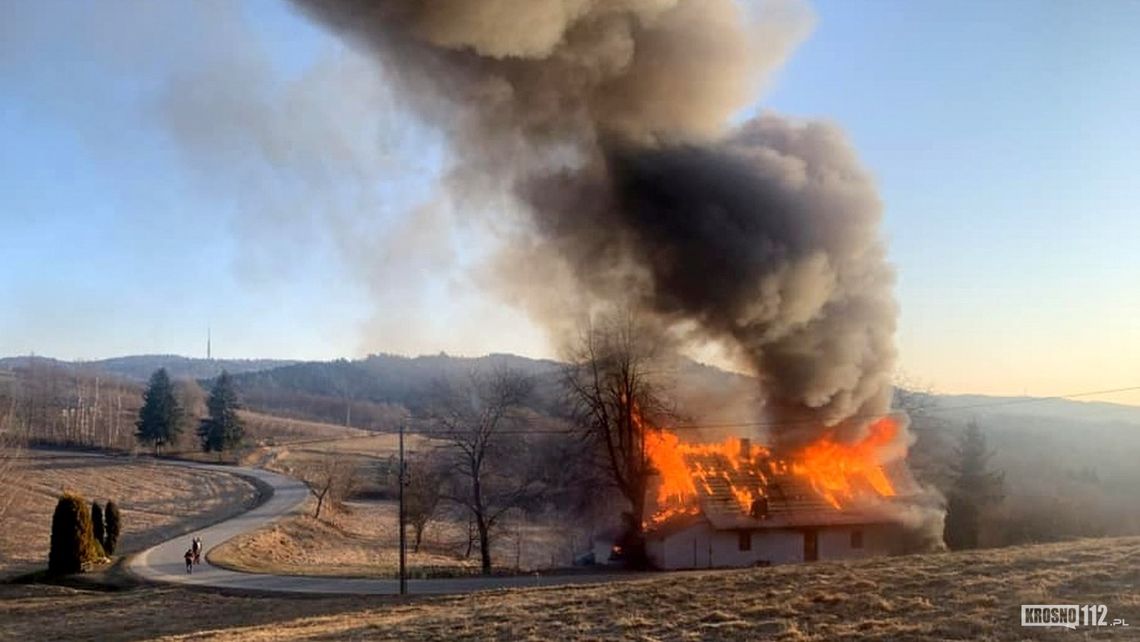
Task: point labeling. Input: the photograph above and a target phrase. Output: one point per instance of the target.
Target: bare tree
(471, 415)
(331, 479)
(614, 390)
(10, 452)
(930, 455)
(422, 496)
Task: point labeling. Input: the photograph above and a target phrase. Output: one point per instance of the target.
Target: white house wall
(878, 539)
(701, 546)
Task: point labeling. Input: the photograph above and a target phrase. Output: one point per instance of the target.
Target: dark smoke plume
(609, 120)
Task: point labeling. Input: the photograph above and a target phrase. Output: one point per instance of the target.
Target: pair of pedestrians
(193, 554)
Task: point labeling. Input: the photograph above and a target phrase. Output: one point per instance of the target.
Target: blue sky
(1003, 136)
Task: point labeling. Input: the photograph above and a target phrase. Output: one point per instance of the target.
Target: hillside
(140, 367)
(400, 380)
(949, 596)
(1069, 465)
(379, 390)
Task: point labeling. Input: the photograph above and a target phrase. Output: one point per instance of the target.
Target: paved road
(164, 563)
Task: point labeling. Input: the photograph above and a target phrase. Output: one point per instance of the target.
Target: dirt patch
(158, 501)
(942, 596)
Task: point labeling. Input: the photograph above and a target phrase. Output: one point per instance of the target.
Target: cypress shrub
(114, 526)
(72, 541)
(97, 523)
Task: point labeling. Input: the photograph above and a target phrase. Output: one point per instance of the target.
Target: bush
(72, 540)
(97, 523)
(114, 528)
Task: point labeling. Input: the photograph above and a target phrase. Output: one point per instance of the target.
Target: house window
(856, 539)
(744, 541)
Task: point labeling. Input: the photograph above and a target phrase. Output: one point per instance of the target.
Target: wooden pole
(403, 538)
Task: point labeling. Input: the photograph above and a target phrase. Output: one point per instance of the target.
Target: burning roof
(737, 484)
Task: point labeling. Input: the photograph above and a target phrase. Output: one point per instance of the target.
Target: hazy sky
(169, 166)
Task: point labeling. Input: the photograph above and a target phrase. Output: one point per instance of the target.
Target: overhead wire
(787, 423)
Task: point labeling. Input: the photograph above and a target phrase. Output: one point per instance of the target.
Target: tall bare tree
(614, 381)
(423, 493)
(470, 415)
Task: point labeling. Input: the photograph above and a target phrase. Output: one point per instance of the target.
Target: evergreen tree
(975, 487)
(222, 429)
(114, 523)
(97, 529)
(160, 418)
(72, 541)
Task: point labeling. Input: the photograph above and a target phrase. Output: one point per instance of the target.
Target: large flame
(839, 472)
(683, 466)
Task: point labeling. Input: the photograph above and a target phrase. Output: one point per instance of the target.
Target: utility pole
(403, 539)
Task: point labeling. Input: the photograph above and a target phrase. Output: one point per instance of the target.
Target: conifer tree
(975, 487)
(72, 541)
(114, 527)
(160, 418)
(97, 529)
(222, 429)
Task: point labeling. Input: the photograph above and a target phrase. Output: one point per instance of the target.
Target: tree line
(43, 403)
(162, 417)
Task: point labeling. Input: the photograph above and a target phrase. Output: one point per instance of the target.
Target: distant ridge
(140, 367)
(397, 379)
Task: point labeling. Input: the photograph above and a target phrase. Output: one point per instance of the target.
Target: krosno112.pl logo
(1067, 615)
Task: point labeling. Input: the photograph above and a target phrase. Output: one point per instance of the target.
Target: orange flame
(739, 471)
(837, 470)
(685, 467)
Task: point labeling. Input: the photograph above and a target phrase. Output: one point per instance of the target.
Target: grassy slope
(362, 542)
(941, 596)
(157, 501)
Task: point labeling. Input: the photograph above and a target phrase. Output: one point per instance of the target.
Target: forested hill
(374, 391)
(140, 367)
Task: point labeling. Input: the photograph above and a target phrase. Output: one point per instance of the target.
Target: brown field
(362, 541)
(367, 453)
(963, 596)
(157, 501)
(271, 429)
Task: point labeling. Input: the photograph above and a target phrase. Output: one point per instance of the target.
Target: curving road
(164, 562)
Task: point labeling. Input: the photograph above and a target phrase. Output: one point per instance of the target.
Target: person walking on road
(189, 560)
(196, 546)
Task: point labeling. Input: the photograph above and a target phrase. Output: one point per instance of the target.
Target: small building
(791, 522)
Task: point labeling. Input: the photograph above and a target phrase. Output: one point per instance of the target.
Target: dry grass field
(271, 429)
(158, 501)
(963, 596)
(362, 541)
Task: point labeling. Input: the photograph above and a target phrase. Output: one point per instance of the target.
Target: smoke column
(610, 123)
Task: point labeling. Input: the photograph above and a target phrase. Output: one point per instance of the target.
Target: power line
(1014, 402)
(757, 424)
(787, 423)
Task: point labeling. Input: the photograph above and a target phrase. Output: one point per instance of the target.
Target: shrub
(114, 528)
(72, 541)
(97, 523)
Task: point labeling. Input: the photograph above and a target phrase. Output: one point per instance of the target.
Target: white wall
(699, 546)
(835, 542)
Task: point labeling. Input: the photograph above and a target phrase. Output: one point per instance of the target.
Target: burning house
(601, 145)
(734, 503)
